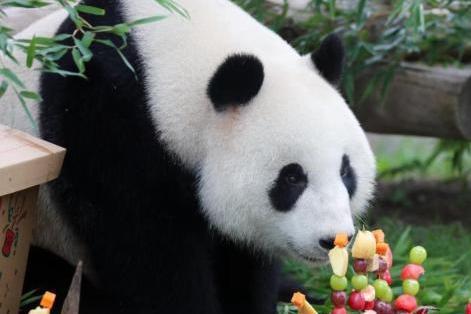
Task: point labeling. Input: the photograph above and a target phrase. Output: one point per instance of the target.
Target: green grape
(410, 286)
(417, 255)
(359, 282)
(338, 283)
(381, 288)
(387, 295)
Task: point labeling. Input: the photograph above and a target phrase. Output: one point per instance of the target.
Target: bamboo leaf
(29, 294)
(64, 73)
(87, 39)
(125, 60)
(3, 88)
(121, 29)
(78, 60)
(26, 109)
(360, 11)
(30, 53)
(90, 9)
(147, 20)
(30, 95)
(86, 53)
(61, 37)
(8, 74)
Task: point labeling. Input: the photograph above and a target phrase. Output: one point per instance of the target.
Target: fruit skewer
(338, 258)
(371, 254)
(410, 285)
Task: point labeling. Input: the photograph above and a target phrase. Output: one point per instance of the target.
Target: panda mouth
(312, 259)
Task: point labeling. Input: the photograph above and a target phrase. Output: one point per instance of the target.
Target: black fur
(329, 58)
(237, 80)
(132, 203)
(288, 187)
(348, 176)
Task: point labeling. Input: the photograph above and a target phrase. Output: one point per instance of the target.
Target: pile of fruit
(371, 294)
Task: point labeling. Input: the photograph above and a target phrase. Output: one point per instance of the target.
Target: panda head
(286, 165)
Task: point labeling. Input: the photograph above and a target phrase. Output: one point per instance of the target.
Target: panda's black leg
(247, 284)
(156, 274)
(178, 284)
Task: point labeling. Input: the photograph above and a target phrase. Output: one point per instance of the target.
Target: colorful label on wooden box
(16, 223)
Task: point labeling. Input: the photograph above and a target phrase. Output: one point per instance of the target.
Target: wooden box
(25, 163)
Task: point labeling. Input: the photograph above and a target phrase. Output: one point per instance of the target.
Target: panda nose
(328, 243)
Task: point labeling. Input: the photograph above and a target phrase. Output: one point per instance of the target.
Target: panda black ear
(329, 58)
(236, 81)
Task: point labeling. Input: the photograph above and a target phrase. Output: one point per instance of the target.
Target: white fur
(18, 18)
(296, 117)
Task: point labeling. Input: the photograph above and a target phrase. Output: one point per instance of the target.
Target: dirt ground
(424, 201)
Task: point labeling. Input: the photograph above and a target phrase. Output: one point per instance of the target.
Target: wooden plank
(26, 161)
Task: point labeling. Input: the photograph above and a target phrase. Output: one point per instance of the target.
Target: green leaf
(8, 74)
(29, 294)
(61, 37)
(403, 242)
(30, 53)
(101, 28)
(109, 43)
(171, 6)
(421, 18)
(348, 83)
(147, 20)
(106, 42)
(26, 109)
(121, 29)
(73, 15)
(78, 60)
(25, 4)
(3, 88)
(370, 88)
(43, 40)
(90, 9)
(86, 53)
(53, 49)
(30, 95)
(125, 60)
(63, 73)
(31, 300)
(360, 11)
(87, 39)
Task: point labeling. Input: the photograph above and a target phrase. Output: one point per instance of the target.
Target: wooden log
(422, 100)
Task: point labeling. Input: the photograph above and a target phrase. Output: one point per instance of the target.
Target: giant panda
(186, 182)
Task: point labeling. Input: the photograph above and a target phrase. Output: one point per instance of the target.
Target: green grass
(446, 284)
(408, 157)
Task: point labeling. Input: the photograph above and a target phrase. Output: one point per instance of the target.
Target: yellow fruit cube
(338, 258)
(364, 246)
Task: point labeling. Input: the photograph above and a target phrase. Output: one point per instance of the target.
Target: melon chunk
(369, 293)
(338, 258)
(373, 263)
(364, 245)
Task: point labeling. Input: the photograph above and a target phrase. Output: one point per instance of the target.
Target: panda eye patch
(288, 187)
(348, 176)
